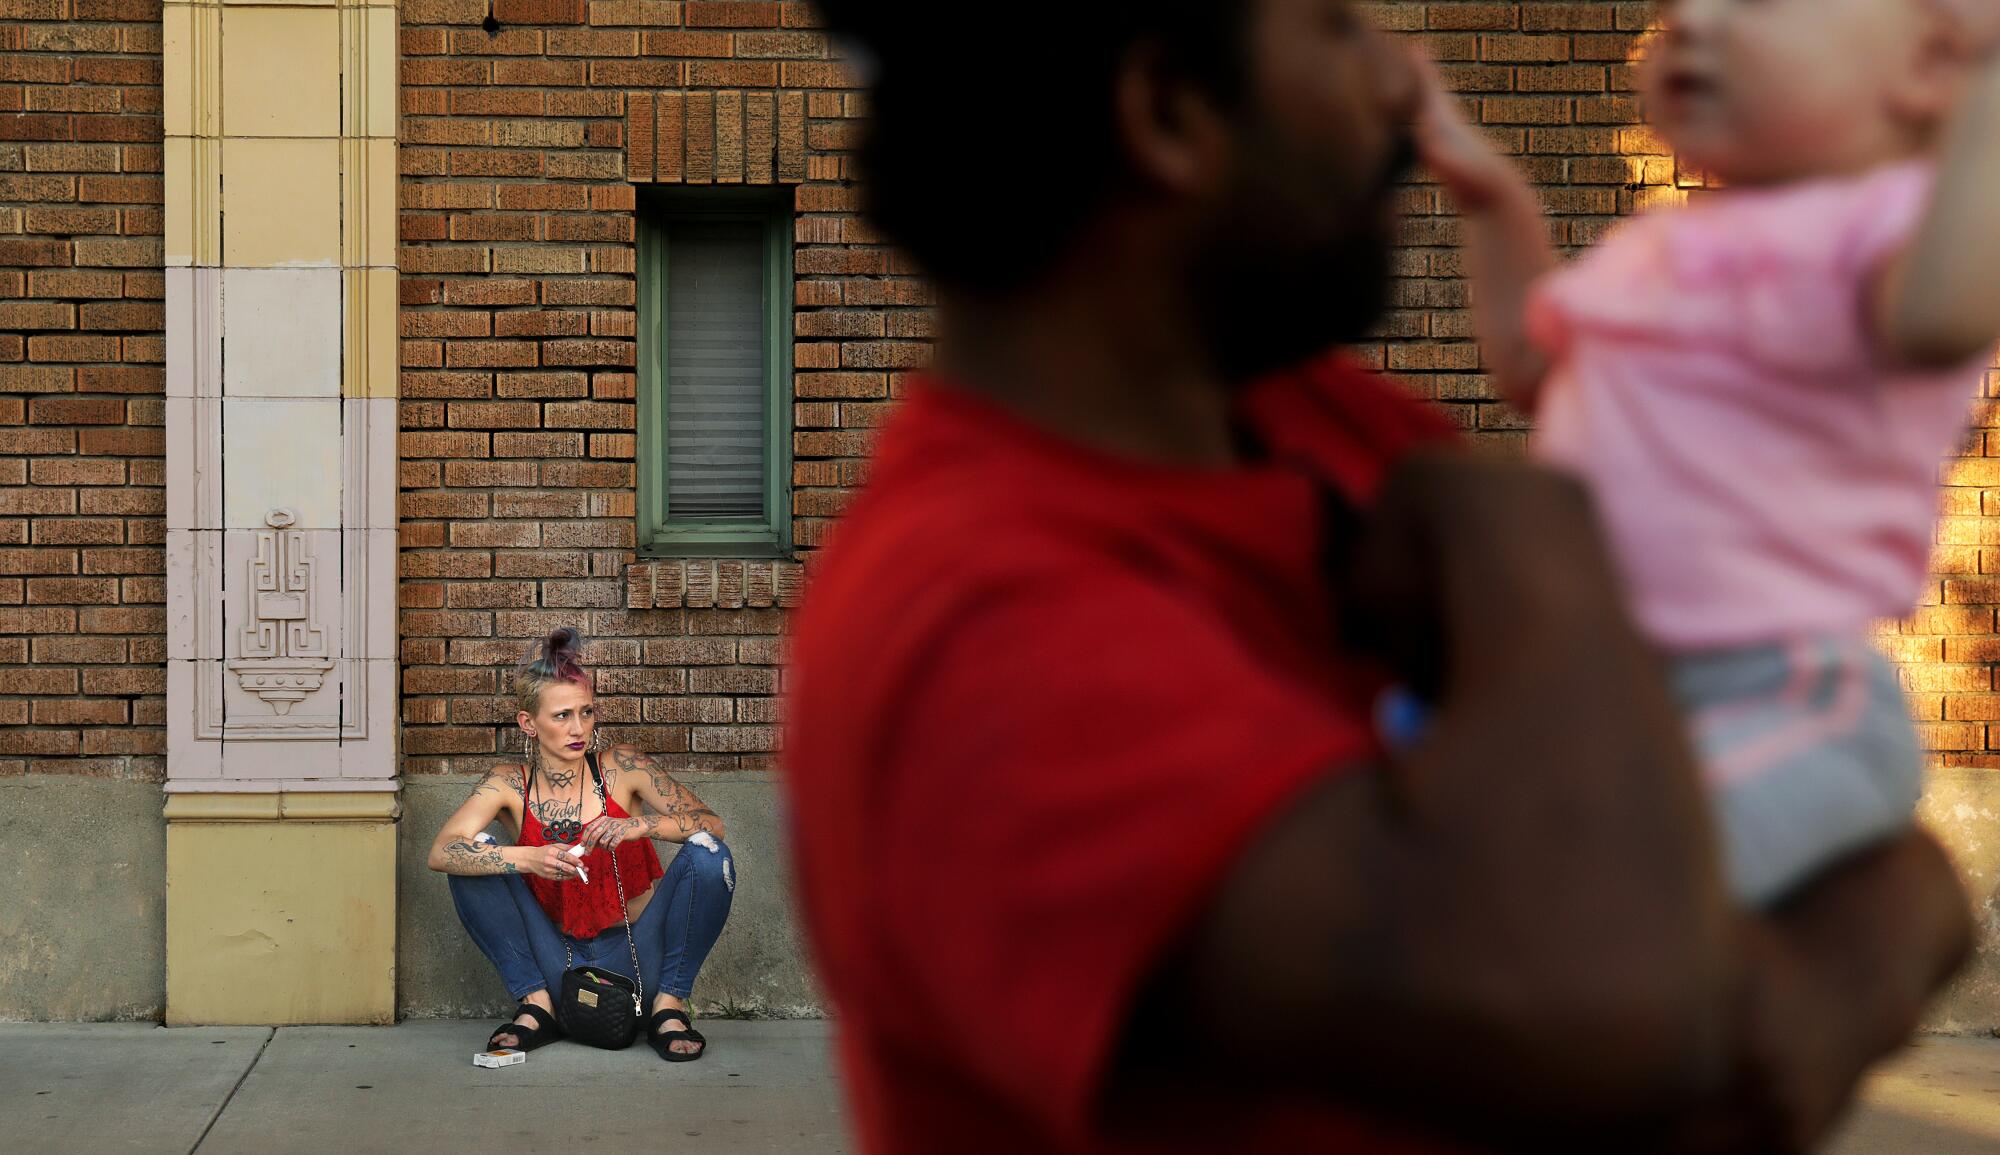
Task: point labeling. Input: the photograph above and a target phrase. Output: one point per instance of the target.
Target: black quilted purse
(598, 1007)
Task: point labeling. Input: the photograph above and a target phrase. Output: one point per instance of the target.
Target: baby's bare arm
(1507, 245)
(1938, 304)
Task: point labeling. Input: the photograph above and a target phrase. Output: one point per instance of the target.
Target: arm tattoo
(470, 858)
(462, 857)
(497, 781)
(680, 812)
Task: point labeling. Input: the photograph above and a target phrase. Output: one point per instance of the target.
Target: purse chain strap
(638, 983)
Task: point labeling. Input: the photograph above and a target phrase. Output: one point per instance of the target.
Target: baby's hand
(1458, 155)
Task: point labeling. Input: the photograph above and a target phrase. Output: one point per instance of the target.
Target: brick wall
(519, 148)
(82, 628)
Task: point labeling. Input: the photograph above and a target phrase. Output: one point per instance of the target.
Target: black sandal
(663, 1040)
(544, 1032)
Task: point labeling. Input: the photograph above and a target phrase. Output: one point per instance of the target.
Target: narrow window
(715, 329)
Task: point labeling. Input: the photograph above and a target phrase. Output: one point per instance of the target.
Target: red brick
(124, 742)
(490, 353)
(22, 315)
(739, 14)
(494, 415)
(1566, 17)
(15, 740)
(45, 126)
(496, 291)
(33, 253)
(537, 445)
(126, 316)
(574, 353)
(551, 384)
(588, 292)
(143, 75)
(72, 591)
(75, 410)
(795, 45)
(539, 11)
(76, 284)
(130, 11)
(540, 323)
(39, 682)
(732, 74)
(124, 561)
(818, 74)
(541, 73)
(81, 712)
(696, 44)
(122, 442)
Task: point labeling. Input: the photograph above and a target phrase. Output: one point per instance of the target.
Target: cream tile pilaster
(280, 161)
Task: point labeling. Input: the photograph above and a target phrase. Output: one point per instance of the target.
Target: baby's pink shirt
(1762, 474)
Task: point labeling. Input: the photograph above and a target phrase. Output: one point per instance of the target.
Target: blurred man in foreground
(1099, 846)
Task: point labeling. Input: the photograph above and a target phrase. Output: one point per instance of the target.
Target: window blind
(715, 394)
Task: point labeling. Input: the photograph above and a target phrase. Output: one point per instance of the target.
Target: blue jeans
(673, 934)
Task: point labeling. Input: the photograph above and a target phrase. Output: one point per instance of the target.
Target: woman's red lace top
(582, 909)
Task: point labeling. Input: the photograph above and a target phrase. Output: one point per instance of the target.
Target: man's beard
(1272, 293)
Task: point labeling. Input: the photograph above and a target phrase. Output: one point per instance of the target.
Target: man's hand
(1553, 810)
(1831, 984)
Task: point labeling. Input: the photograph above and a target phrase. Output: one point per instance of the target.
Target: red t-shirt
(1042, 699)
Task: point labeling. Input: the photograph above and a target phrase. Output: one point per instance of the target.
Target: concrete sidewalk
(1941, 1097)
(88, 1088)
(768, 1087)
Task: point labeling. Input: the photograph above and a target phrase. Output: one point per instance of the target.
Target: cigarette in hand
(576, 852)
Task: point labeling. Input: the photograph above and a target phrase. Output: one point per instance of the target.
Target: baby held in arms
(1758, 388)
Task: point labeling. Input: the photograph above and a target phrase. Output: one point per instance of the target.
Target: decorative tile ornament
(285, 652)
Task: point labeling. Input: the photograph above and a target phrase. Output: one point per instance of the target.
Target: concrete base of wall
(281, 908)
(1962, 807)
(84, 923)
(756, 969)
(83, 930)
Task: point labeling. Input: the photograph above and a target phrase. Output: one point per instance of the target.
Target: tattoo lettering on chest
(551, 811)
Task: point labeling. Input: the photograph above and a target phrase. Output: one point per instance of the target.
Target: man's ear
(1173, 136)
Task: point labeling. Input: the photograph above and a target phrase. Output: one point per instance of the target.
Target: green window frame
(769, 535)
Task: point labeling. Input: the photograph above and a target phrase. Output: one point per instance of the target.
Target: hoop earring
(596, 739)
(531, 751)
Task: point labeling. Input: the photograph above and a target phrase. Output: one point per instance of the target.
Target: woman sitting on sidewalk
(566, 796)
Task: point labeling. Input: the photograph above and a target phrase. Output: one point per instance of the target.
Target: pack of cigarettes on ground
(500, 1058)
